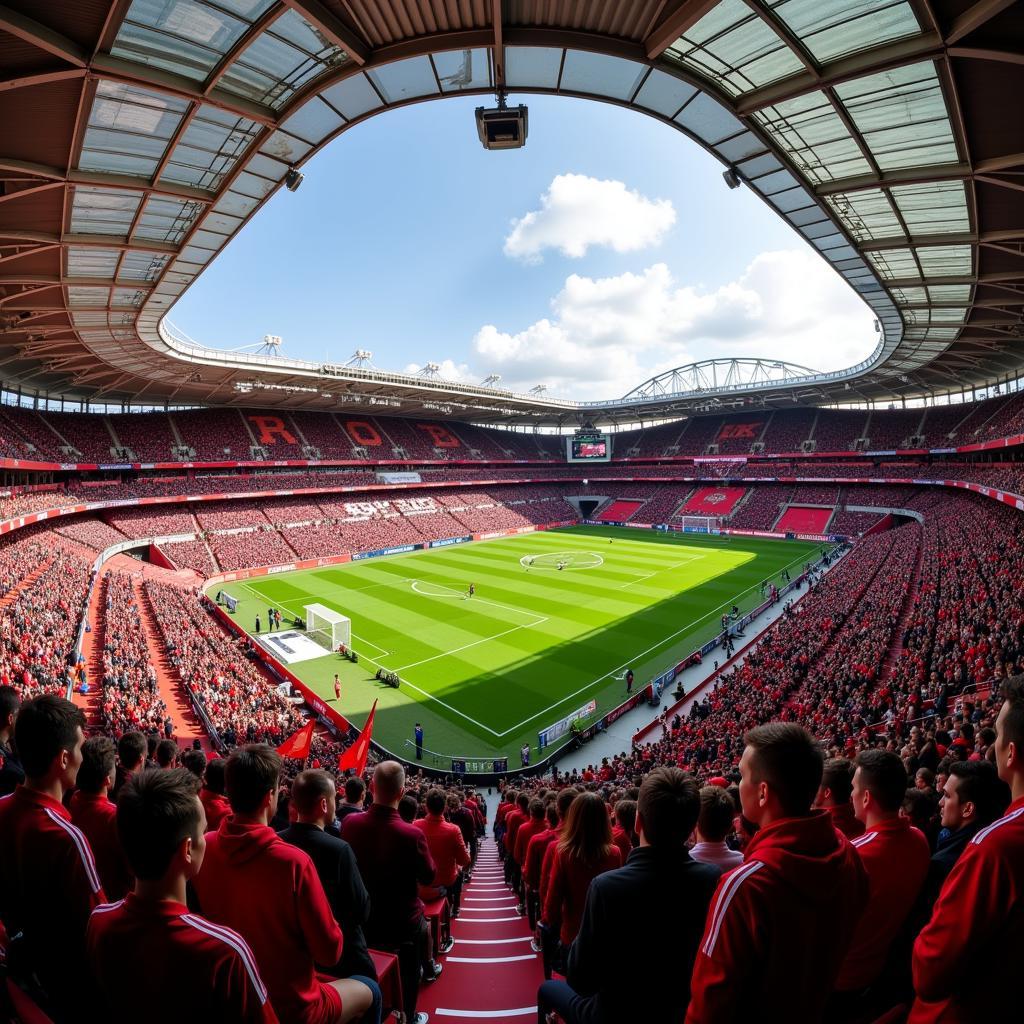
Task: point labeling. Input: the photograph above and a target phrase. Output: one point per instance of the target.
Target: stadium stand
(804, 519)
(713, 501)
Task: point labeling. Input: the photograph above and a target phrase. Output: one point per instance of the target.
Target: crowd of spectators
(40, 612)
(235, 696)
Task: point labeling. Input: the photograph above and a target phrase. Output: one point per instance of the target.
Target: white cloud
(578, 211)
(607, 335)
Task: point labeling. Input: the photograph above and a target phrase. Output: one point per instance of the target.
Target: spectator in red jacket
(513, 821)
(96, 816)
(269, 892)
(534, 859)
(834, 796)
(779, 924)
(393, 857)
(584, 851)
(448, 848)
(967, 956)
(131, 758)
(624, 829)
(48, 879)
(215, 803)
(149, 943)
(533, 825)
(895, 856)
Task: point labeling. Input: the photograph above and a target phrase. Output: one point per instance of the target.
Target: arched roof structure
(138, 136)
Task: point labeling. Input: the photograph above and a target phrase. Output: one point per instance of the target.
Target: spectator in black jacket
(11, 772)
(973, 796)
(628, 920)
(313, 797)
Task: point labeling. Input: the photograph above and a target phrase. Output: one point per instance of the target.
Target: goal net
(328, 628)
(700, 524)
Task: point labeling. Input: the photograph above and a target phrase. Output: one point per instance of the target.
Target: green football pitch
(485, 674)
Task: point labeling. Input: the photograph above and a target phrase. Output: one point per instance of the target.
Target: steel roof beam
(333, 28)
(31, 31)
(681, 15)
(40, 78)
(974, 17)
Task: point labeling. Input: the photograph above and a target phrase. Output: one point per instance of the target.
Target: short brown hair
(1013, 723)
(788, 758)
(883, 775)
(98, 761)
(717, 812)
(309, 788)
(837, 778)
(252, 772)
(156, 810)
(45, 726)
(668, 806)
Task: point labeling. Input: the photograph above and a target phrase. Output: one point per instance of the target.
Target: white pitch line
(636, 657)
(466, 647)
(657, 572)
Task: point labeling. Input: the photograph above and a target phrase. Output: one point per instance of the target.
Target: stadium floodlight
(538, 389)
(732, 179)
(293, 179)
(502, 127)
(490, 380)
(430, 370)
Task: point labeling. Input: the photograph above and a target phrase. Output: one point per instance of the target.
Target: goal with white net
(328, 628)
(700, 524)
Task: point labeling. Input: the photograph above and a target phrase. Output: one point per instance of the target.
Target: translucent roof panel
(830, 29)
(209, 148)
(815, 138)
(933, 208)
(103, 211)
(188, 37)
(128, 129)
(902, 115)
(910, 296)
(405, 79)
(92, 262)
(282, 59)
(600, 75)
(945, 260)
(142, 266)
(167, 220)
(949, 292)
(314, 121)
(538, 66)
(83, 295)
(458, 70)
(127, 297)
(894, 263)
(664, 94)
(735, 49)
(867, 215)
(708, 119)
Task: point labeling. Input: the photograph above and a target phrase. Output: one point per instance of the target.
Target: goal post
(700, 524)
(328, 628)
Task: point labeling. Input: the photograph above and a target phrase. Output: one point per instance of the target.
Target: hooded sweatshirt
(268, 891)
(779, 925)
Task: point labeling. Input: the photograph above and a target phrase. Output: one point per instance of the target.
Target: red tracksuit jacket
(48, 887)
(896, 857)
(269, 892)
(967, 959)
(96, 816)
(779, 925)
(156, 962)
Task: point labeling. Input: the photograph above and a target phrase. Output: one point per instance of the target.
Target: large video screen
(589, 449)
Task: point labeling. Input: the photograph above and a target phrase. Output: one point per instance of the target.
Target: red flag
(355, 756)
(297, 745)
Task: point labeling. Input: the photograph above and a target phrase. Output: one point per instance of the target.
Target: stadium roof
(137, 136)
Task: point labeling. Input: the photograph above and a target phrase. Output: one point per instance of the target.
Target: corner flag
(297, 745)
(355, 756)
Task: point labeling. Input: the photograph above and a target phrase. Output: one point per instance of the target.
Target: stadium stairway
(92, 650)
(491, 973)
(906, 613)
(187, 726)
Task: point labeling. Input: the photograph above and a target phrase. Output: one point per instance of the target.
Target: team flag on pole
(355, 756)
(297, 745)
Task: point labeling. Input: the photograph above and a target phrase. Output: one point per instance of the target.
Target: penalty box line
(626, 664)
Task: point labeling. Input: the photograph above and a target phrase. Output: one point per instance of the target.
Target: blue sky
(396, 242)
